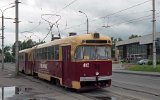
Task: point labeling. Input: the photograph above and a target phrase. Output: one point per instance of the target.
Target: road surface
(124, 87)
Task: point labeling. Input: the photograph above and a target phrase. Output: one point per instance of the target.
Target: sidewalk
(118, 68)
(24, 87)
(123, 71)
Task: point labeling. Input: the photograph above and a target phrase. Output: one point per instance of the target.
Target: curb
(153, 74)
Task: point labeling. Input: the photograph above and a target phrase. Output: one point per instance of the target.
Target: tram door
(66, 70)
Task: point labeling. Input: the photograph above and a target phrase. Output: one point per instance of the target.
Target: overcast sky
(123, 18)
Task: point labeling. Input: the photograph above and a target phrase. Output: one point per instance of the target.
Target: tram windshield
(93, 52)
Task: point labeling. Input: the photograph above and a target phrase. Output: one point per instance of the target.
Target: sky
(114, 18)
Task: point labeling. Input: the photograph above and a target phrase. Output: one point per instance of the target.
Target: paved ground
(139, 86)
(142, 85)
(125, 86)
(34, 89)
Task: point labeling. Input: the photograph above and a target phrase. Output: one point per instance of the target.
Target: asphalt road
(138, 86)
(124, 87)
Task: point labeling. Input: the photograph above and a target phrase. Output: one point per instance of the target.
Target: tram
(78, 62)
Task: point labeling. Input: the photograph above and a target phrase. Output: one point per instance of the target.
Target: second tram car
(78, 62)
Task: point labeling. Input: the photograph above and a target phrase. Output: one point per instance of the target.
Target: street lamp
(2, 11)
(87, 19)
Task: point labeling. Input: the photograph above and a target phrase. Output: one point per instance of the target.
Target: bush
(149, 62)
(158, 62)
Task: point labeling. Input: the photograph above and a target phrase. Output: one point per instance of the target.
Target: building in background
(134, 49)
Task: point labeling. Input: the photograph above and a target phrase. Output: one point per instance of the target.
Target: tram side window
(37, 54)
(49, 52)
(56, 52)
(52, 52)
(40, 54)
(45, 53)
(79, 53)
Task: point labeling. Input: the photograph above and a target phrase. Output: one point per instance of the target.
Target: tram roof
(72, 39)
(25, 50)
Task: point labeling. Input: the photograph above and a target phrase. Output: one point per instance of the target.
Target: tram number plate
(43, 66)
(86, 65)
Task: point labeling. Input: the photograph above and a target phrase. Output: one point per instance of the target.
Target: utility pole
(16, 38)
(154, 35)
(2, 42)
(2, 11)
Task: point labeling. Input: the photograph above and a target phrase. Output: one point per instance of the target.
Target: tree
(114, 40)
(7, 48)
(120, 39)
(8, 57)
(25, 44)
(133, 36)
(7, 54)
(13, 48)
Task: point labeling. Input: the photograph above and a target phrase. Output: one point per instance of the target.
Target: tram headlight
(97, 73)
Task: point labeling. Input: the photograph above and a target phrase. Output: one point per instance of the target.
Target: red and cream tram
(78, 62)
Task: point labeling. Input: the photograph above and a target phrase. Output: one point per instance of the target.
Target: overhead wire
(67, 5)
(7, 5)
(50, 24)
(135, 19)
(125, 9)
(56, 23)
(110, 14)
(120, 11)
(131, 21)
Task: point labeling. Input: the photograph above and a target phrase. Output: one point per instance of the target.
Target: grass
(147, 68)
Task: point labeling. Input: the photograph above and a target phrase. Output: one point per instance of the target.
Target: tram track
(136, 88)
(107, 93)
(104, 94)
(99, 94)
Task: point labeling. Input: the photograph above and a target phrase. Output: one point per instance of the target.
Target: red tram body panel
(76, 62)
